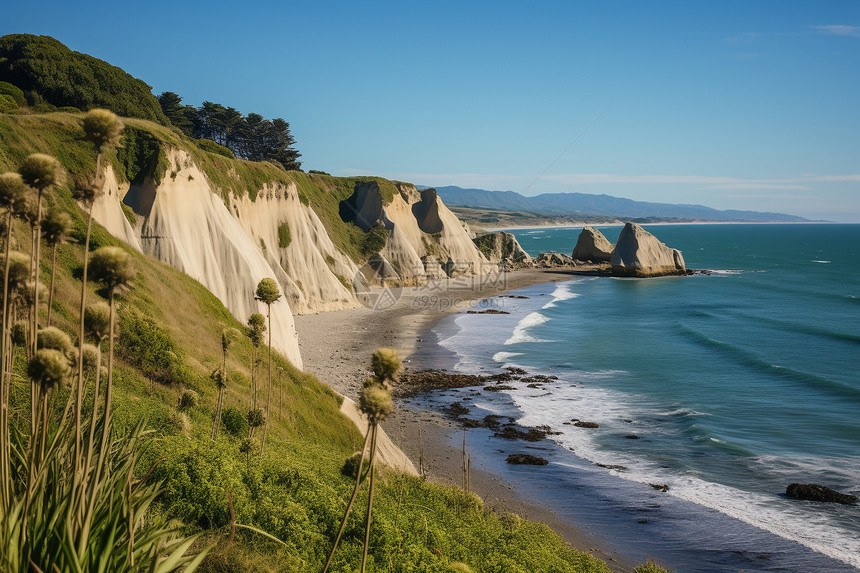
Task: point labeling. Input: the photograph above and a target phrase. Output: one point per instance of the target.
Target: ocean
(725, 387)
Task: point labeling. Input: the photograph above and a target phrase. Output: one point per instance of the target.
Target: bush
(284, 237)
(146, 345)
(213, 147)
(234, 422)
(374, 240)
(189, 399)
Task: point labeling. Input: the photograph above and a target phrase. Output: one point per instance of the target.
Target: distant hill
(584, 205)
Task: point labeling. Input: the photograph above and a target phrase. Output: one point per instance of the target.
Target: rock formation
(503, 248)
(592, 246)
(815, 492)
(638, 253)
(426, 212)
(189, 227)
(550, 260)
(364, 206)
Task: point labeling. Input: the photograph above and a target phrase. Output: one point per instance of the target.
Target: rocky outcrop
(408, 246)
(526, 459)
(592, 246)
(815, 492)
(364, 206)
(551, 260)
(426, 212)
(638, 253)
(504, 249)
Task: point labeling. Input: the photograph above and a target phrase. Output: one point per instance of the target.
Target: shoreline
(336, 347)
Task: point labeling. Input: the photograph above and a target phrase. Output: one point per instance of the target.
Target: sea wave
(561, 292)
(505, 356)
(520, 333)
(616, 413)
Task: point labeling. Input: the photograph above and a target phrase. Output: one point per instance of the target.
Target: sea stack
(638, 253)
(592, 246)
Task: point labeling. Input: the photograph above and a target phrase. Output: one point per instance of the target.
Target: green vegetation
(52, 76)
(284, 237)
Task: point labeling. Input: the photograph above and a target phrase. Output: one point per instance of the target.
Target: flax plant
(376, 404)
(269, 293)
(55, 229)
(228, 335)
(255, 331)
(103, 129)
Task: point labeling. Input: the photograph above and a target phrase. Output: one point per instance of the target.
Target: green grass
(296, 492)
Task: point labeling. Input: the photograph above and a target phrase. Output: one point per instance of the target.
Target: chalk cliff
(639, 253)
(230, 240)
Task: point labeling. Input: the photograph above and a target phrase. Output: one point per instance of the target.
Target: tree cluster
(250, 137)
(50, 75)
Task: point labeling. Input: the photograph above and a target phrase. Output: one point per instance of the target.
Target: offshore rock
(638, 253)
(592, 246)
(815, 492)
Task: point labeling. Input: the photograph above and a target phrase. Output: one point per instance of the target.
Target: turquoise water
(734, 384)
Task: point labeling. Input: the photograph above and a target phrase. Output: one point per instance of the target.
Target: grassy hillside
(169, 343)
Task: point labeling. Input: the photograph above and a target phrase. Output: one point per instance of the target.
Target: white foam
(521, 334)
(505, 356)
(561, 292)
(822, 262)
(608, 408)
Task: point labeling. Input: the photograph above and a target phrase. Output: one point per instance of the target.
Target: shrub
(284, 237)
(234, 422)
(189, 399)
(213, 147)
(374, 240)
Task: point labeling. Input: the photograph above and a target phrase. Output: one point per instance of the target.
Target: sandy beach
(336, 347)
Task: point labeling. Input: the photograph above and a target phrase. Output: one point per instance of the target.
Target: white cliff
(188, 227)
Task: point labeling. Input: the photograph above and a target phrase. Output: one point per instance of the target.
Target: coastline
(336, 347)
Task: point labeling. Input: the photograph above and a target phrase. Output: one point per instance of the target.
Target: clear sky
(730, 104)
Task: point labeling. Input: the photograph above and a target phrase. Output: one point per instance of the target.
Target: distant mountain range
(588, 205)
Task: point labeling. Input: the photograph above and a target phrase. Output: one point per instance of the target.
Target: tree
(268, 293)
(55, 229)
(171, 105)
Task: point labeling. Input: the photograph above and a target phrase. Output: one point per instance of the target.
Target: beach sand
(336, 347)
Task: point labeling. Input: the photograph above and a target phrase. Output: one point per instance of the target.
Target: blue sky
(747, 105)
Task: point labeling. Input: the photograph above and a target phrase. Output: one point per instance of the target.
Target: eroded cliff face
(419, 256)
(314, 274)
(230, 244)
(186, 225)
